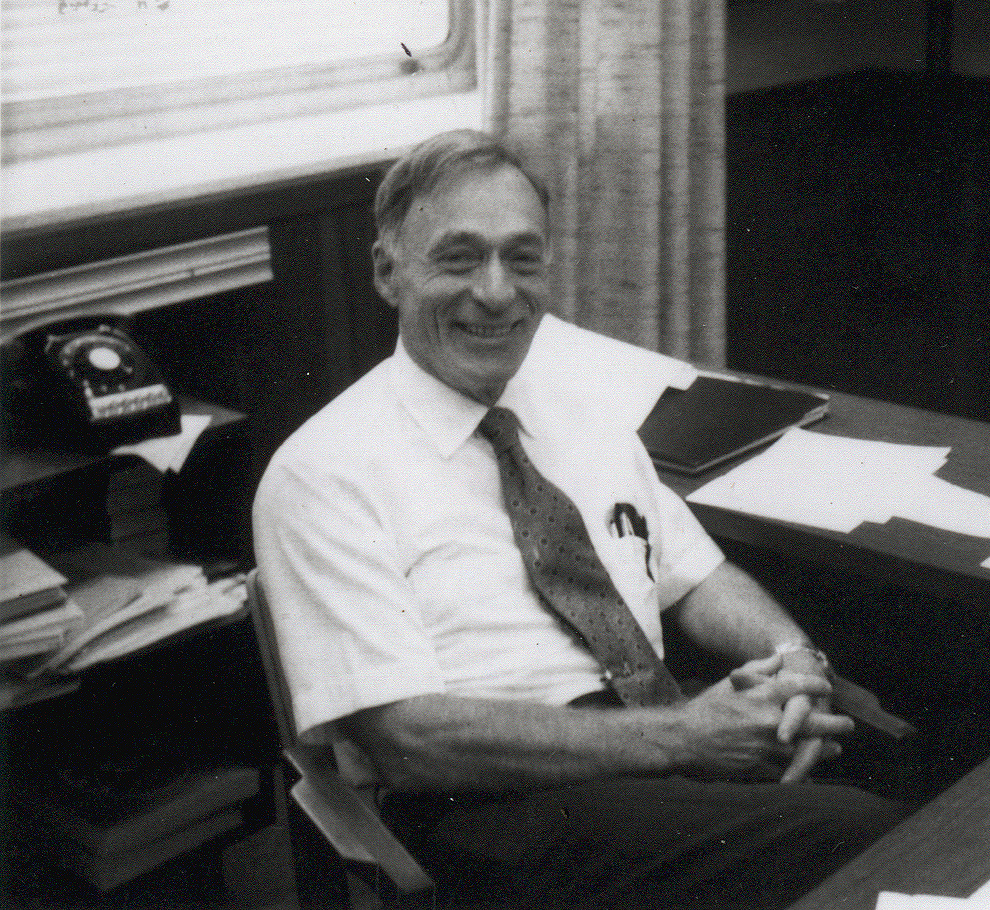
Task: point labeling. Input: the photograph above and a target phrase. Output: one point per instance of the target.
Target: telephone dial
(85, 384)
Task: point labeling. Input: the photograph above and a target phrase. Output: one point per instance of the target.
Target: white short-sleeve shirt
(389, 559)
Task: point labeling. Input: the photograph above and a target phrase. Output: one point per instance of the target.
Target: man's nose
(493, 286)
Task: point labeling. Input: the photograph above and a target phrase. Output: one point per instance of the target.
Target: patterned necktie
(566, 571)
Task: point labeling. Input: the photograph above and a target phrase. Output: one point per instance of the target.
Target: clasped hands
(772, 709)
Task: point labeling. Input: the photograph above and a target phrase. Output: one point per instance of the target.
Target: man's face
(467, 274)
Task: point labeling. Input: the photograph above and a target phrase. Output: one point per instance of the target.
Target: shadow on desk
(925, 657)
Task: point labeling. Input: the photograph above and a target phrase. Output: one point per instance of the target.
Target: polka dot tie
(566, 571)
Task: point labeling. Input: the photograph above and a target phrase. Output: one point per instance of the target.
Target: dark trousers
(670, 842)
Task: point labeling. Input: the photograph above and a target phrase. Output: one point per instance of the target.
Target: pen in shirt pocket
(627, 522)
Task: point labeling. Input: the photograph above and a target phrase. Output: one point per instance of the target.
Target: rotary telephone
(85, 384)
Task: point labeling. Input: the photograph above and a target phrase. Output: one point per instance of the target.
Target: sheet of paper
(981, 897)
(888, 900)
(834, 482)
(940, 504)
(169, 452)
(874, 469)
(767, 490)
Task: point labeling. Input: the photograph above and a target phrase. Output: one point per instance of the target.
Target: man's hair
(449, 154)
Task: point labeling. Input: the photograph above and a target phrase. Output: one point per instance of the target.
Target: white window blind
(88, 73)
(120, 104)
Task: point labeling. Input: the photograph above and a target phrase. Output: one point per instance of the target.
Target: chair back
(278, 690)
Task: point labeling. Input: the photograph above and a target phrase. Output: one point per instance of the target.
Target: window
(87, 77)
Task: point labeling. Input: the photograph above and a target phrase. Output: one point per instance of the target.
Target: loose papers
(169, 452)
(836, 483)
(889, 900)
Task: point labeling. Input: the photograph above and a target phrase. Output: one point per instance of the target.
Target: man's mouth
(493, 332)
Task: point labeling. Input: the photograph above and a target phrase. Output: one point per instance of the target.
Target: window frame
(48, 127)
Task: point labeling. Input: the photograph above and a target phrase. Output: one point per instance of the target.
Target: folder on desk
(719, 417)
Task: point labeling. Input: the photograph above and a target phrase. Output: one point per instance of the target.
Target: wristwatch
(795, 648)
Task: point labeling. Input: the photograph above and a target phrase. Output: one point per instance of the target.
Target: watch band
(795, 648)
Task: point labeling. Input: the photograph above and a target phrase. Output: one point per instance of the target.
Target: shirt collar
(446, 416)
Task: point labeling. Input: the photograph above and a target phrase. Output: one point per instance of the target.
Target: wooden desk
(942, 849)
(900, 552)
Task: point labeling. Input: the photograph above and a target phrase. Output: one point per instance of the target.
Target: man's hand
(808, 750)
(730, 613)
(737, 722)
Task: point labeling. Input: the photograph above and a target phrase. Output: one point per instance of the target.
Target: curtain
(619, 106)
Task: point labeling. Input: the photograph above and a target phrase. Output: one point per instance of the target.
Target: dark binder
(716, 419)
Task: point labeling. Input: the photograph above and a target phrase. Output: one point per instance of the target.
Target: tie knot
(500, 427)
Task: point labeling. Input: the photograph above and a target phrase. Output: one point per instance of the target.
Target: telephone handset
(86, 384)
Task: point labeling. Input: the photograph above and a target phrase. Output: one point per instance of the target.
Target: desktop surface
(900, 551)
(942, 849)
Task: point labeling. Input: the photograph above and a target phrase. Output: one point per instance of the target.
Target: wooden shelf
(21, 467)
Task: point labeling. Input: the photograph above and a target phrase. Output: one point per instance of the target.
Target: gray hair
(449, 154)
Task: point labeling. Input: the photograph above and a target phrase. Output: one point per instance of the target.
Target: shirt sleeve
(349, 631)
(684, 554)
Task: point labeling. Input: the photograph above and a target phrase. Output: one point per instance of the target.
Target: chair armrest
(861, 704)
(356, 831)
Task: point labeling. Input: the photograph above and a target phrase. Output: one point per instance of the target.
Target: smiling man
(469, 576)
(467, 273)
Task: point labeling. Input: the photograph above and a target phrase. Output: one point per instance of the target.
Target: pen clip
(622, 519)
(627, 518)
(627, 522)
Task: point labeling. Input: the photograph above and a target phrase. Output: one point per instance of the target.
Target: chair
(375, 862)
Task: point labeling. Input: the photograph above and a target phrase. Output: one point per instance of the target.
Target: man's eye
(526, 263)
(459, 261)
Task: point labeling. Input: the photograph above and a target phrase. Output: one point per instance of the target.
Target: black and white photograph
(495, 455)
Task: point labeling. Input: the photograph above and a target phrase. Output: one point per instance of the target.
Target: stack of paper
(837, 483)
(35, 613)
(186, 609)
(114, 588)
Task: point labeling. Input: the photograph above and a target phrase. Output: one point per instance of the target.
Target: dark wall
(858, 251)
(276, 351)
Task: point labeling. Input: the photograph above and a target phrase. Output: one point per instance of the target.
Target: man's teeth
(486, 331)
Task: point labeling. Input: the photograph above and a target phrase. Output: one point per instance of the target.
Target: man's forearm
(443, 742)
(730, 613)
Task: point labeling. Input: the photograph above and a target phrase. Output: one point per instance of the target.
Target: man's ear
(383, 257)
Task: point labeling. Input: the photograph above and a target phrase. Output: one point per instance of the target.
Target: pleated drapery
(619, 104)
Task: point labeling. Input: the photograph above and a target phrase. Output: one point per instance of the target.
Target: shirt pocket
(625, 560)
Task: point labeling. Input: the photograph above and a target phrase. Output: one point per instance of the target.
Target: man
(425, 646)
